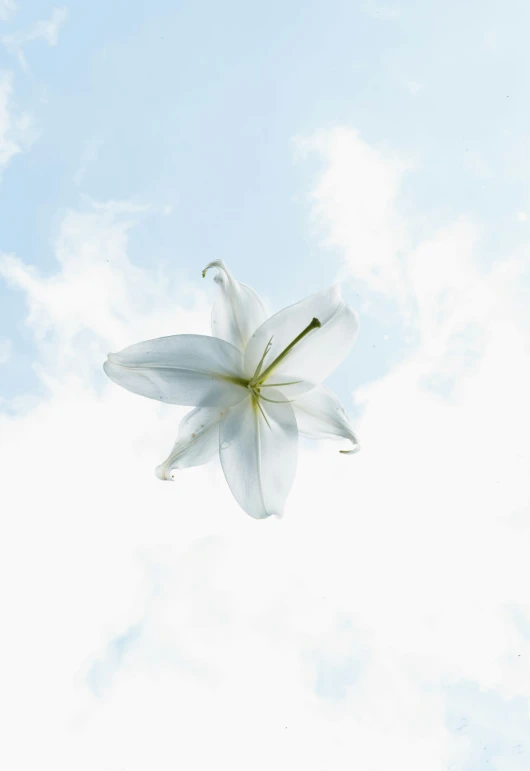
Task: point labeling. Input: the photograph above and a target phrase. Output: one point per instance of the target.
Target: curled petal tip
(214, 264)
(161, 473)
(355, 442)
(356, 447)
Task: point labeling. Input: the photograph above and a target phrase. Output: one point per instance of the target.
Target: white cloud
(443, 472)
(7, 9)
(354, 203)
(172, 629)
(98, 299)
(47, 30)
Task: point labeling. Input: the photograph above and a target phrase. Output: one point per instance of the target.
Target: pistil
(258, 378)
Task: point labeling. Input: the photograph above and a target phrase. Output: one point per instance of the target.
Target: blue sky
(386, 145)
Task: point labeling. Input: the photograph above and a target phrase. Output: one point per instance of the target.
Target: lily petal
(238, 310)
(320, 415)
(180, 369)
(320, 351)
(259, 459)
(197, 443)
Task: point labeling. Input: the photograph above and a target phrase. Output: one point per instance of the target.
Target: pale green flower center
(257, 382)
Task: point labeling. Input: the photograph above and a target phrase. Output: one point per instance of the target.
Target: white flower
(256, 385)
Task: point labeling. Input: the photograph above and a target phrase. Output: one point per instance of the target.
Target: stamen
(315, 323)
(265, 352)
(277, 401)
(262, 412)
(274, 385)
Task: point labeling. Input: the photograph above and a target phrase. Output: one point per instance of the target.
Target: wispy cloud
(89, 155)
(14, 127)
(104, 668)
(47, 30)
(354, 205)
(97, 293)
(8, 147)
(7, 9)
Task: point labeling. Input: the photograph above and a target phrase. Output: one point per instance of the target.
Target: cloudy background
(384, 623)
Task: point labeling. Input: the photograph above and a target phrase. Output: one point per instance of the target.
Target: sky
(384, 622)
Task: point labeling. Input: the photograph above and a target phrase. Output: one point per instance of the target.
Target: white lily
(256, 385)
